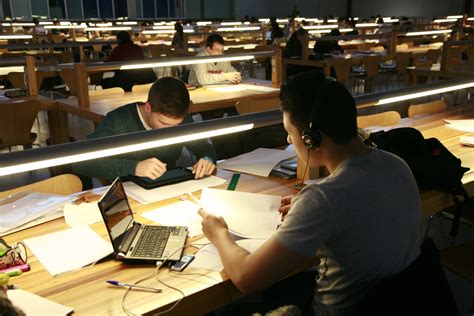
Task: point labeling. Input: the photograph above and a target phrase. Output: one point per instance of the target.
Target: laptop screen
(118, 216)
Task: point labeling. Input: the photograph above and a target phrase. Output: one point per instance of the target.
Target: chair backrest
(427, 108)
(420, 289)
(64, 184)
(455, 55)
(141, 87)
(105, 91)
(389, 118)
(257, 105)
(403, 61)
(342, 67)
(262, 48)
(371, 65)
(377, 49)
(16, 121)
(401, 47)
(433, 55)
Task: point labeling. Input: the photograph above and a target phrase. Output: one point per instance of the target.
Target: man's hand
(212, 226)
(285, 204)
(233, 77)
(203, 168)
(151, 168)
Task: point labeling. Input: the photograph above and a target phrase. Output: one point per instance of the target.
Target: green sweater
(123, 120)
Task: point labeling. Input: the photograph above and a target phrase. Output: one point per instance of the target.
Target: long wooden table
(87, 292)
(203, 100)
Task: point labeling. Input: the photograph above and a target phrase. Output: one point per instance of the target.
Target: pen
(195, 200)
(117, 283)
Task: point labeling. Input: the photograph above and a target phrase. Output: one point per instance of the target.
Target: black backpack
(433, 165)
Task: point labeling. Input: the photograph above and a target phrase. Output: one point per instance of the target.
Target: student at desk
(167, 105)
(212, 73)
(362, 221)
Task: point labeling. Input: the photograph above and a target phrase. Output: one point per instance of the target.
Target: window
(74, 9)
(57, 9)
(105, 7)
(148, 8)
(39, 8)
(162, 8)
(90, 8)
(120, 7)
(7, 10)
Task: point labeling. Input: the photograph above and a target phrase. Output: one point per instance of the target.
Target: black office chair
(420, 289)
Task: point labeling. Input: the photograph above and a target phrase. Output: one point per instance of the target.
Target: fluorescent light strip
(158, 32)
(243, 28)
(65, 23)
(112, 28)
(282, 20)
(46, 23)
(60, 27)
(6, 24)
(23, 24)
(366, 25)
(346, 30)
(119, 150)
(425, 93)
(390, 20)
(319, 31)
(319, 27)
(104, 24)
(444, 20)
(231, 23)
(203, 23)
(16, 36)
(454, 17)
(186, 62)
(266, 20)
(428, 32)
(163, 27)
(127, 23)
(332, 21)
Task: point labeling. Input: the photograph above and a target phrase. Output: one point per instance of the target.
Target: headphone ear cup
(311, 138)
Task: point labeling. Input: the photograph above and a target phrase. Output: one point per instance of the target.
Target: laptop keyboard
(152, 241)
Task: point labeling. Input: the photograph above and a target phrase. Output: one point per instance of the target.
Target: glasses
(12, 256)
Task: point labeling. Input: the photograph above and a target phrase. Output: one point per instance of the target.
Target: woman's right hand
(284, 206)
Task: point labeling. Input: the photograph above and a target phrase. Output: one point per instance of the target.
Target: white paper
(259, 162)
(261, 88)
(170, 191)
(461, 125)
(248, 215)
(208, 256)
(183, 213)
(69, 249)
(241, 87)
(29, 208)
(34, 305)
(82, 214)
(40, 220)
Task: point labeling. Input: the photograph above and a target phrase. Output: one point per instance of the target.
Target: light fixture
(109, 28)
(163, 27)
(444, 20)
(23, 24)
(46, 23)
(367, 25)
(231, 23)
(203, 23)
(318, 27)
(264, 20)
(430, 90)
(45, 157)
(390, 20)
(319, 31)
(332, 21)
(346, 30)
(428, 32)
(454, 17)
(18, 36)
(60, 27)
(282, 20)
(238, 29)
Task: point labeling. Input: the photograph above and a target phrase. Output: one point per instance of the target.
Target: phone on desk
(171, 176)
(283, 173)
(182, 263)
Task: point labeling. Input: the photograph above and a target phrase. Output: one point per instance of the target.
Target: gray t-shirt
(362, 221)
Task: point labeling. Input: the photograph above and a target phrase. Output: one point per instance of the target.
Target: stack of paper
(248, 215)
(33, 305)
(69, 249)
(82, 214)
(461, 125)
(259, 162)
(170, 191)
(183, 213)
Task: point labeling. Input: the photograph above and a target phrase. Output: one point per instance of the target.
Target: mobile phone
(283, 173)
(182, 263)
(291, 165)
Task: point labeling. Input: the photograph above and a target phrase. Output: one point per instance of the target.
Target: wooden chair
(401, 47)
(342, 68)
(427, 108)
(377, 49)
(257, 105)
(105, 91)
(454, 55)
(433, 55)
(16, 121)
(389, 118)
(64, 184)
(142, 87)
(371, 66)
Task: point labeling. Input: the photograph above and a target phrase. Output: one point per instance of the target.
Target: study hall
(232, 157)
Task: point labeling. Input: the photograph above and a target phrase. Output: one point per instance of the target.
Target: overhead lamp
(264, 20)
(318, 27)
(319, 31)
(163, 27)
(425, 93)
(332, 21)
(428, 32)
(104, 24)
(127, 23)
(444, 20)
(203, 23)
(346, 30)
(300, 19)
(185, 61)
(109, 28)
(470, 19)
(61, 27)
(282, 20)
(231, 23)
(390, 20)
(18, 36)
(46, 23)
(23, 24)
(243, 28)
(367, 25)
(454, 17)
(45, 157)
(65, 23)
(6, 24)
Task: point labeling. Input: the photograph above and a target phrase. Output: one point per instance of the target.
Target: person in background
(217, 72)
(167, 105)
(126, 51)
(276, 34)
(328, 47)
(178, 37)
(362, 221)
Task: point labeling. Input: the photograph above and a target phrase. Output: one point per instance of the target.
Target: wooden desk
(88, 293)
(460, 71)
(203, 100)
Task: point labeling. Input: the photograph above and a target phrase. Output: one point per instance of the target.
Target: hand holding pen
(285, 205)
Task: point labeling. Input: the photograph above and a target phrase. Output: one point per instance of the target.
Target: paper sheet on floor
(170, 191)
(69, 249)
(183, 213)
(248, 215)
(259, 162)
(208, 256)
(34, 305)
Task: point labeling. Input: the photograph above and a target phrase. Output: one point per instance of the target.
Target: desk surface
(87, 292)
(203, 100)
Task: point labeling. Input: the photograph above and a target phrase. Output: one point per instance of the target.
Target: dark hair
(312, 96)
(123, 37)
(170, 97)
(214, 38)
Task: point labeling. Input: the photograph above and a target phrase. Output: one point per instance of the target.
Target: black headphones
(311, 135)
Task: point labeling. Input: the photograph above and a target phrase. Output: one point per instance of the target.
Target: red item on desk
(23, 267)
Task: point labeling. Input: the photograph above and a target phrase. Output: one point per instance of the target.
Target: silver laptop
(134, 241)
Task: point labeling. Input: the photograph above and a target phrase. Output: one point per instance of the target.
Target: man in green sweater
(167, 105)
